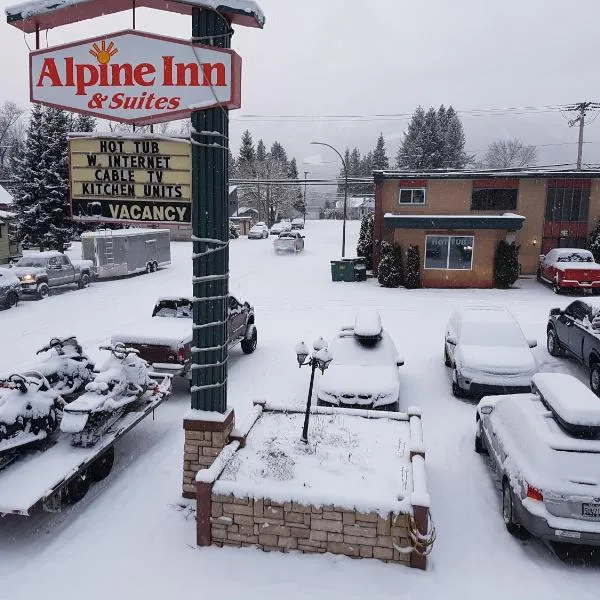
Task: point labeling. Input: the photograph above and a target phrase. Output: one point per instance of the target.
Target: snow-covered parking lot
(132, 537)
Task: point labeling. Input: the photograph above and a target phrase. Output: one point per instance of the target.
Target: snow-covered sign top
(46, 14)
(5, 197)
(111, 233)
(570, 399)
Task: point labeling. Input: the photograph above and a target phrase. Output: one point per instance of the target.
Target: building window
(494, 199)
(452, 252)
(412, 196)
(567, 204)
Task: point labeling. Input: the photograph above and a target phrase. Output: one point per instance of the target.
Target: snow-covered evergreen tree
(594, 242)
(389, 273)
(84, 124)
(506, 264)
(365, 240)
(412, 278)
(380, 160)
(434, 140)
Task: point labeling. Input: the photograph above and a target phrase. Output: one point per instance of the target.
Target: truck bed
(35, 477)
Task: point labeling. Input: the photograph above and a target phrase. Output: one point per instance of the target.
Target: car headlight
(27, 278)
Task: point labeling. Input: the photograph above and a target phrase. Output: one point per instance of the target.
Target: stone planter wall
(276, 526)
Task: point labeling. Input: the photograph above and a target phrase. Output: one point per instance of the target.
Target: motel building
(457, 218)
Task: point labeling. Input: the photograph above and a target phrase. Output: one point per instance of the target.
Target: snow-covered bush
(594, 242)
(234, 234)
(389, 273)
(365, 240)
(413, 268)
(506, 264)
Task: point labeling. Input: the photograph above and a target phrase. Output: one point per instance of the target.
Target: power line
(582, 108)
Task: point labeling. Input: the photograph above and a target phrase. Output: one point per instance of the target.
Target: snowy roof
(121, 232)
(47, 14)
(490, 174)
(5, 197)
(232, 188)
(355, 202)
(6, 216)
(128, 135)
(244, 209)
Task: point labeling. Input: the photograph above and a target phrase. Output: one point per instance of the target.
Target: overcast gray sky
(372, 57)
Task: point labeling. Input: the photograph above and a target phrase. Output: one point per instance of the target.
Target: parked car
(575, 332)
(165, 341)
(570, 268)
(258, 232)
(298, 223)
(289, 241)
(488, 352)
(10, 288)
(364, 371)
(41, 271)
(545, 448)
(281, 227)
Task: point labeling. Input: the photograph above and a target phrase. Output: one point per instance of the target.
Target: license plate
(568, 534)
(590, 510)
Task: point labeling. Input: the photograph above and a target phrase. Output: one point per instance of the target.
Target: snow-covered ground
(132, 537)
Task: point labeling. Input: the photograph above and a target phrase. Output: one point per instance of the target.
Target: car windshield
(491, 333)
(347, 350)
(31, 262)
(576, 257)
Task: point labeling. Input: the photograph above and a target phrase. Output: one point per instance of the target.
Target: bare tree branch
(507, 154)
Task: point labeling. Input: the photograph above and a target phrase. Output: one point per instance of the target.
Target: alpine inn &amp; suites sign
(135, 77)
(131, 179)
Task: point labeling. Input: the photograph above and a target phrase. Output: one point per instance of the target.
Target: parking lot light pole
(345, 191)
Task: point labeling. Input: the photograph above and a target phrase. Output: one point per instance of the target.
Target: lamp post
(320, 358)
(345, 192)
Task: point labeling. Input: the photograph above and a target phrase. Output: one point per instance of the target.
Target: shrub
(413, 268)
(506, 264)
(365, 240)
(389, 273)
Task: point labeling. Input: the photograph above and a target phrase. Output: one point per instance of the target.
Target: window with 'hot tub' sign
(452, 252)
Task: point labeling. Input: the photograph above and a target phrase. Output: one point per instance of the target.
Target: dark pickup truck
(575, 332)
(166, 340)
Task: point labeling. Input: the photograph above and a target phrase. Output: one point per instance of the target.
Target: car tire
(457, 391)
(102, 466)
(154, 267)
(447, 360)
(556, 287)
(508, 513)
(12, 299)
(84, 281)
(552, 344)
(479, 443)
(250, 340)
(595, 378)
(43, 291)
(538, 275)
(78, 487)
(149, 268)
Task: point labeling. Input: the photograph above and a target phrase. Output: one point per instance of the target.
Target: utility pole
(304, 211)
(581, 108)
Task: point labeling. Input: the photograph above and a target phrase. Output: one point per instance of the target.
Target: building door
(567, 207)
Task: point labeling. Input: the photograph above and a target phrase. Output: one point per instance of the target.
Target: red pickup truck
(567, 268)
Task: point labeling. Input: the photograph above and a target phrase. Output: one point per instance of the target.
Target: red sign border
(233, 103)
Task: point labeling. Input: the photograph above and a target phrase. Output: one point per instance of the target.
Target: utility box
(348, 269)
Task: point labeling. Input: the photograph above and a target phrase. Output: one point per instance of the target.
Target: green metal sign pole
(210, 219)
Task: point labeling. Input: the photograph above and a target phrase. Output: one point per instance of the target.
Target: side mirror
(451, 340)
(400, 362)
(532, 343)
(554, 312)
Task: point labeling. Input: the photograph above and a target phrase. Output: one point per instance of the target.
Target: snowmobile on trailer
(29, 414)
(124, 384)
(66, 367)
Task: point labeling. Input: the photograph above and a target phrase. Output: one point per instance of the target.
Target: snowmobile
(29, 413)
(67, 368)
(124, 383)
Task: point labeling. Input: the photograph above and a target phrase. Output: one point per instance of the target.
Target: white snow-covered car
(289, 241)
(258, 232)
(364, 371)
(298, 223)
(488, 352)
(281, 227)
(545, 447)
(10, 288)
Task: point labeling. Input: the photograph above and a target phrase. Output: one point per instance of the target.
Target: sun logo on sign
(103, 52)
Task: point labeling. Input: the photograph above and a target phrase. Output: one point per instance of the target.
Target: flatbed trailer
(56, 471)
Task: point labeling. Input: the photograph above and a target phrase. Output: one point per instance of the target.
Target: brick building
(457, 218)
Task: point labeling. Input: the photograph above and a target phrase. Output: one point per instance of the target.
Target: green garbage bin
(360, 272)
(340, 270)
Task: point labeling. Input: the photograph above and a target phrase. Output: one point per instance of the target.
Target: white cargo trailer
(121, 252)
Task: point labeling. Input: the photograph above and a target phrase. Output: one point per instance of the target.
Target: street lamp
(345, 192)
(320, 359)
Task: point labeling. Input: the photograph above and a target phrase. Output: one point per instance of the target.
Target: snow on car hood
(22, 271)
(350, 379)
(501, 360)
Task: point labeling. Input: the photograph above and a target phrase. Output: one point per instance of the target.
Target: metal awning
(509, 222)
(47, 14)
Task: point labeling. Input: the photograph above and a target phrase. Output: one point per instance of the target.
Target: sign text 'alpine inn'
(135, 77)
(130, 179)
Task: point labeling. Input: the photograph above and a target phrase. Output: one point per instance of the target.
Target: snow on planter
(357, 488)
